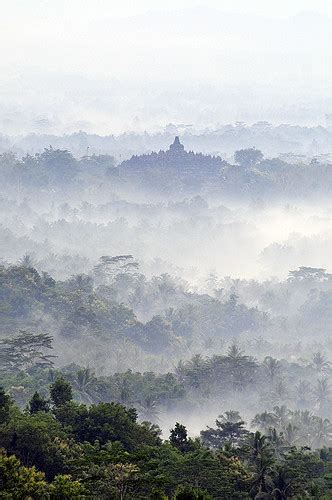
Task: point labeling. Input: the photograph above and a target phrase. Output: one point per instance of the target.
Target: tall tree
(61, 392)
(248, 157)
(5, 403)
(179, 437)
(25, 351)
(38, 403)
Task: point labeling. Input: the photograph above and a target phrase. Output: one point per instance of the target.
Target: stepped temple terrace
(175, 161)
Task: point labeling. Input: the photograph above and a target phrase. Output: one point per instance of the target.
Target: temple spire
(176, 147)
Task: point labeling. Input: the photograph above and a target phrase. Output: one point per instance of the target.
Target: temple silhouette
(176, 161)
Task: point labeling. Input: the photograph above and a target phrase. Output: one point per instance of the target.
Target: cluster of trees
(294, 400)
(51, 225)
(250, 175)
(112, 297)
(59, 448)
(293, 428)
(162, 350)
(209, 348)
(303, 141)
(53, 167)
(67, 431)
(104, 304)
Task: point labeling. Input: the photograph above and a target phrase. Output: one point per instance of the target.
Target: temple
(176, 147)
(176, 161)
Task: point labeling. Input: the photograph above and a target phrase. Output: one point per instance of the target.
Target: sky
(88, 9)
(107, 66)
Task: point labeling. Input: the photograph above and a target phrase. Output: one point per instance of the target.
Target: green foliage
(36, 440)
(61, 392)
(17, 481)
(179, 438)
(229, 432)
(105, 422)
(295, 427)
(190, 493)
(89, 433)
(5, 403)
(38, 403)
(25, 351)
(64, 487)
(102, 451)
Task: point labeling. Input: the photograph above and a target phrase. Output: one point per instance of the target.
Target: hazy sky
(107, 66)
(98, 8)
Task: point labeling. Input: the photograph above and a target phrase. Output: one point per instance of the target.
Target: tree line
(59, 448)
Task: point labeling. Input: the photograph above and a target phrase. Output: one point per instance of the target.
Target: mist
(107, 68)
(165, 249)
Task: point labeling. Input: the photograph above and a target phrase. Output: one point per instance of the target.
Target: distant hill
(273, 140)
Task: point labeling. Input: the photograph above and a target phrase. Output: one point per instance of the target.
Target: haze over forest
(165, 250)
(107, 68)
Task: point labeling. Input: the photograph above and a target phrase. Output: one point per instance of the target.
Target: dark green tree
(61, 392)
(261, 458)
(5, 403)
(38, 403)
(25, 351)
(191, 493)
(179, 437)
(229, 431)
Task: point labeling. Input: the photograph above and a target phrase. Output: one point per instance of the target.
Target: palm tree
(83, 382)
(305, 423)
(282, 484)
(234, 352)
(322, 433)
(272, 367)
(322, 393)
(124, 391)
(282, 414)
(196, 370)
(26, 261)
(261, 457)
(240, 368)
(208, 343)
(305, 418)
(303, 393)
(149, 409)
(180, 370)
(52, 375)
(280, 391)
(320, 363)
(290, 434)
(265, 421)
(196, 361)
(232, 416)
